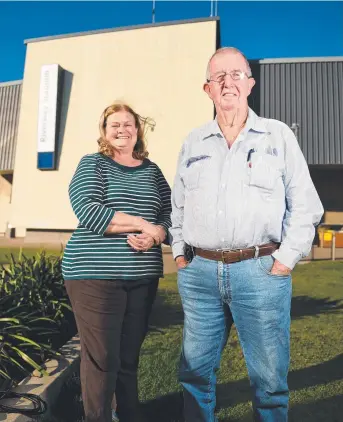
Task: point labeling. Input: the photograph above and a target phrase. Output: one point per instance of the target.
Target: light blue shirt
(230, 198)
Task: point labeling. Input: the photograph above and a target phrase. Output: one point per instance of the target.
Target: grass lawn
(315, 378)
(316, 375)
(29, 252)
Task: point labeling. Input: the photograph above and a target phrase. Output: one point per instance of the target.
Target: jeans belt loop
(257, 252)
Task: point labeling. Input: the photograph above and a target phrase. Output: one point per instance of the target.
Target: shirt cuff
(109, 214)
(287, 256)
(178, 249)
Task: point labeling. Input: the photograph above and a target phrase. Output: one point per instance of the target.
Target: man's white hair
(228, 49)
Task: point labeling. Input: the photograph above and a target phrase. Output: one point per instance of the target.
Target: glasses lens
(236, 75)
(219, 77)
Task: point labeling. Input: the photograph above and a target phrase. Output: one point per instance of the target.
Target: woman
(113, 261)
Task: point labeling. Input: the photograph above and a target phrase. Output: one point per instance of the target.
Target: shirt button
(223, 185)
(220, 212)
(222, 239)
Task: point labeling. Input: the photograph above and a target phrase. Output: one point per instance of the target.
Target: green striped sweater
(98, 189)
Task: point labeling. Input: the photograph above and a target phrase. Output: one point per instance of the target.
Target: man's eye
(220, 77)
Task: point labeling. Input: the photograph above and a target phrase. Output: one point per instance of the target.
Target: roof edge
(300, 60)
(18, 82)
(121, 28)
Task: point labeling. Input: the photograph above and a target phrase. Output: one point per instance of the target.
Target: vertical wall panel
(308, 93)
(10, 94)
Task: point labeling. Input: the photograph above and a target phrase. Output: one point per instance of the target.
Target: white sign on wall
(48, 116)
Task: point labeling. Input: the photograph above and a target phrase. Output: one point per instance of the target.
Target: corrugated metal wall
(309, 94)
(10, 94)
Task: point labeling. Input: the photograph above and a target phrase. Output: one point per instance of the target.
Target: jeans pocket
(188, 265)
(265, 264)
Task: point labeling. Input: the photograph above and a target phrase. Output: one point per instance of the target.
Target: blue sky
(259, 29)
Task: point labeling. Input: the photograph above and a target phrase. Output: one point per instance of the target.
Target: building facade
(49, 120)
(69, 80)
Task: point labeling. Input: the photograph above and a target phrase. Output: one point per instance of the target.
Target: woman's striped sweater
(98, 189)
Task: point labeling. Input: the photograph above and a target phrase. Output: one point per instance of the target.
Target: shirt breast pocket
(264, 173)
(195, 169)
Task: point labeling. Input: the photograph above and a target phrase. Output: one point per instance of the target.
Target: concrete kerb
(48, 387)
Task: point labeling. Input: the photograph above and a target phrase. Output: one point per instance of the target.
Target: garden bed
(36, 317)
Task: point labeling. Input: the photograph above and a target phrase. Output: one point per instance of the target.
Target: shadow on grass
(233, 393)
(169, 408)
(166, 312)
(309, 306)
(323, 410)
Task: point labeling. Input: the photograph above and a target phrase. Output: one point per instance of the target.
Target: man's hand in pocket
(181, 262)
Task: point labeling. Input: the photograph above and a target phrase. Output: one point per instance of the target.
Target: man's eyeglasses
(236, 75)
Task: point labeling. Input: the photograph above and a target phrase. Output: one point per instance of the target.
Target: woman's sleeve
(86, 193)
(165, 193)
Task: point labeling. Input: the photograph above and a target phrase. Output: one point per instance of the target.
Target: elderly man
(244, 211)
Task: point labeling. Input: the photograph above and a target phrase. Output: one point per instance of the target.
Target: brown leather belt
(236, 255)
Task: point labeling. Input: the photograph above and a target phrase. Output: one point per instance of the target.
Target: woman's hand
(140, 242)
(156, 232)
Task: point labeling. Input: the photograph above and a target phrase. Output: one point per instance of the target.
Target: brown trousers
(112, 320)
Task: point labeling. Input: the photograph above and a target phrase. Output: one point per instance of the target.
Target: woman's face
(121, 131)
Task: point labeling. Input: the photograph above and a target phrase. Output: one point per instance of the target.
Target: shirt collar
(254, 123)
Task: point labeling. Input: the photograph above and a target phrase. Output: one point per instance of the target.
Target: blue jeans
(213, 295)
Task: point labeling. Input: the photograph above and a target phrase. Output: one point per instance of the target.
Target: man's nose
(228, 81)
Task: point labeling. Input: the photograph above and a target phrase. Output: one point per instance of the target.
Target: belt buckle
(224, 258)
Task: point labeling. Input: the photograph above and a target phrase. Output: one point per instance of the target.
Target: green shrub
(20, 348)
(34, 285)
(34, 310)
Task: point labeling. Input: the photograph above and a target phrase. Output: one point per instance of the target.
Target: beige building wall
(159, 70)
(5, 204)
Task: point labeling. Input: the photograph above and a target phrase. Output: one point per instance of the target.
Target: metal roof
(301, 60)
(122, 28)
(10, 83)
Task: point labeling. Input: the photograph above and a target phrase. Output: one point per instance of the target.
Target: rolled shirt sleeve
(177, 216)
(304, 209)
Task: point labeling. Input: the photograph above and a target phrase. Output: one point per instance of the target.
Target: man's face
(229, 85)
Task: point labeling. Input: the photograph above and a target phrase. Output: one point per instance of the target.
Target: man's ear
(207, 89)
(252, 83)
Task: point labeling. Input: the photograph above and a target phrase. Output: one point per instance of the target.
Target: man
(244, 202)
